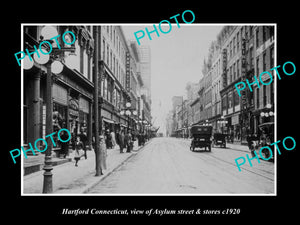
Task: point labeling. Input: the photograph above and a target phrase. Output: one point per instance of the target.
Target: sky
(176, 59)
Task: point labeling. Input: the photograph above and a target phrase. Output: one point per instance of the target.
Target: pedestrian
(83, 138)
(78, 149)
(127, 141)
(113, 138)
(64, 145)
(103, 153)
(108, 140)
(121, 139)
(131, 141)
(139, 138)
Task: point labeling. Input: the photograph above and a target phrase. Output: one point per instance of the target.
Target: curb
(88, 187)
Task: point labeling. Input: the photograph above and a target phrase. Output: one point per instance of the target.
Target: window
(237, 41)
(251, 58)
(272, 93)
(233, 45)
(114, 37)
(230, 100)
(238, 68)
(271, 28)
(251, 31)
(257, 97)
(264, 33)
(257, 66)
(114, 68)
(103, 55)
(246, 32)
(264, 62)
(272, 58)
(109, 90)
(110, 55)
(105, 89)
(224, 102)
(257, 39)
(234, 72)
(107, 52)
(271, 66)
(230, 75)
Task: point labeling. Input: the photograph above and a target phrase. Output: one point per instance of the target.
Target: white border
(146, 24)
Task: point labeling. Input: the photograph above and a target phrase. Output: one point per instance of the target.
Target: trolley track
(246, 167)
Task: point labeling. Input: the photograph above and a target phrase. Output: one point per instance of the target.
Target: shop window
(236, 98)
(230, 100)
(59, 120)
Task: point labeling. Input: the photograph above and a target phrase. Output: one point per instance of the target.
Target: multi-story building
(113, 92)
(145, 69)
(262, 59)
(192, 94)
(216, 74)
(177, 102)
(123, 77)
(232, 44)
(246, 51)
(72, 89)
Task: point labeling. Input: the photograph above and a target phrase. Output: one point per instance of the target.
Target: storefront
(71, 109)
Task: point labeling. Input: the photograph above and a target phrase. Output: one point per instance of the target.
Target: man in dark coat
(84, 140)
(64, 145)
(121, 140)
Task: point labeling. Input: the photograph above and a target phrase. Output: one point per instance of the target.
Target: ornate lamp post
(128, 111)
(222, 121)
(53, 65)
(268, 112)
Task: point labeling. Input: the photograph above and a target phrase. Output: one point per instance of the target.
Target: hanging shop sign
(127, 71)
(243, 75)
(224, 60)
(73, 107)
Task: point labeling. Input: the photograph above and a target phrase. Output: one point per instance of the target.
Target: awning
(108, 120)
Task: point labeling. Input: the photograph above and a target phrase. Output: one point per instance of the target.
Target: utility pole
(96, 95)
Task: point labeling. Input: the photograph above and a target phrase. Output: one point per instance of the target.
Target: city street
(167, 166)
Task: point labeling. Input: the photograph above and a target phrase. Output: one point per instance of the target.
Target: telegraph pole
(96, 95)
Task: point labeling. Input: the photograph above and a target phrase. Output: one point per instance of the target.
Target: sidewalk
(68, 179)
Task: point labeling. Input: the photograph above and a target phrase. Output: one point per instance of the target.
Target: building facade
(237, 54)
(263, 60)
(72, 89)
(120, 81)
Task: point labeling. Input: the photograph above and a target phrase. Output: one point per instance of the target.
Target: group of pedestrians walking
(124, 139)
(108, 140)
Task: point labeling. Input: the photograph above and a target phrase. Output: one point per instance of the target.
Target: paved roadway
(167, 166)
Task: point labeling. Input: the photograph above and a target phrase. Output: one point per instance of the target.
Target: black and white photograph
(127, 112)
(117, 109)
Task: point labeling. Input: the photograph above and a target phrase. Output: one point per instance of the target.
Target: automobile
(201, 137)
(219, 139)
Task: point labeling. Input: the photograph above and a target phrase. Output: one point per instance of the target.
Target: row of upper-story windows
(114, 52)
